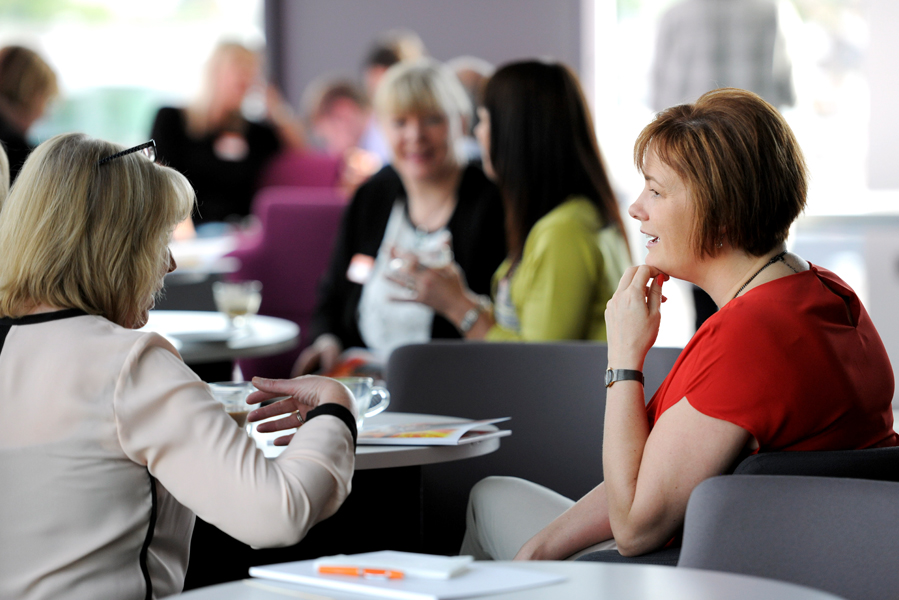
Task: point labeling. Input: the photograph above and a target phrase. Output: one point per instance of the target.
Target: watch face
(608, 377)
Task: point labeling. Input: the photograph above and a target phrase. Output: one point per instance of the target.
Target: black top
(224, 188)
(16, 146)
(479, 246)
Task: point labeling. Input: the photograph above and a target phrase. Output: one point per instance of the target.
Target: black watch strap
(613, 375)
(335, 410)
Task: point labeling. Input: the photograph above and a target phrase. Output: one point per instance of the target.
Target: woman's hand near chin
(633, 316)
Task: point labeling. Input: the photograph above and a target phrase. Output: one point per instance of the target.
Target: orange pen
(360, 572)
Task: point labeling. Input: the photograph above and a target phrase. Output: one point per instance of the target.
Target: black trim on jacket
(151, 528)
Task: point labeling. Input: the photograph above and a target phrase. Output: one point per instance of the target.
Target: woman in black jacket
(425, 202)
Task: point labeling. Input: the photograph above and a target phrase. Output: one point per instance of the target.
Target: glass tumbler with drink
(370, 399)
(232, 396)
(238, 300)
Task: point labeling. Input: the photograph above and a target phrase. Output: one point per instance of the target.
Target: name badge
(360, 268)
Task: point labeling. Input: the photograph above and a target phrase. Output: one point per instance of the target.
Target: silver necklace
(779, 257)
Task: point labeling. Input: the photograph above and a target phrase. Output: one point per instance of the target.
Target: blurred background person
(212, 142)
(426, 202)
(702, 45)
(567, 248)
(107, 462)
(338, 114)
(27, 85)
(389, 48)
(473, 74)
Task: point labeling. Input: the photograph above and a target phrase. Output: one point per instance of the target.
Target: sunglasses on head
(148, 149)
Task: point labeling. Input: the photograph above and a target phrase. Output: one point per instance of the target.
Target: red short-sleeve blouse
(797, 362)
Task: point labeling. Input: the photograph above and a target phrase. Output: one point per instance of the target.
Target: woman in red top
(791, 361)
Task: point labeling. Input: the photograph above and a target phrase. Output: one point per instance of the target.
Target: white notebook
(477, 579)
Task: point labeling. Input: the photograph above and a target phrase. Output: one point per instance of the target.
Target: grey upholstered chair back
(872, 463)
(835, 534)
(554, 393)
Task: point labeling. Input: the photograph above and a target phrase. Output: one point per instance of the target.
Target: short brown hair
(75, 234)
(321, 96)
(741, 165)
(25, 77)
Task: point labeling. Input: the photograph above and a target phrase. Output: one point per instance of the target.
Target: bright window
(118, 62)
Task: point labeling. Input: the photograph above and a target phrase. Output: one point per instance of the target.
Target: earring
(720, 243)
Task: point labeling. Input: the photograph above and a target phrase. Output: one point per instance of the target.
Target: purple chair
(305, 169)
(289, 255)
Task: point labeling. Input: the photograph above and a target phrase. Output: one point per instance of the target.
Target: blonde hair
(75, 234)
(25, 78)
(420, 87)
(198, 123)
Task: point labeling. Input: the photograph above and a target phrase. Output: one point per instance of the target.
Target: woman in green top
(567, 246)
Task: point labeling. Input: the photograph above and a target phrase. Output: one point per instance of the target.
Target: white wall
(322, 36)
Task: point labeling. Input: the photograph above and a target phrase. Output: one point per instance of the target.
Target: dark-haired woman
(566, 243)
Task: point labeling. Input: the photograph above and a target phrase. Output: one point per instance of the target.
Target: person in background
(389, 48)
(338, 114)
(27, 85)
(473, 74)
(702, 45)
(426, 203)
(566, 242)
(790, 362)
(105, 463)
(215, 146)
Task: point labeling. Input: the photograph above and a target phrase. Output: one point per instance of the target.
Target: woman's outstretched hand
(633, 316)
(303, 394)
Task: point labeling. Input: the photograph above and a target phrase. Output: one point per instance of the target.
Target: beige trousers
(505, 512)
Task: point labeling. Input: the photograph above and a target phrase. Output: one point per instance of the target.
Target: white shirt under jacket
(89, 411)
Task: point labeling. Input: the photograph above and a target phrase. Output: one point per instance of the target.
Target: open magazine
(433, 434)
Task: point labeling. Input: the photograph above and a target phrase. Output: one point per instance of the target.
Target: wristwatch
(613, 375)
(473, 313)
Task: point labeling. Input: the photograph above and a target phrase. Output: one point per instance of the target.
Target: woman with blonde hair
(27, 85)
(214, 145)
(111, 443)
(426, 202)
(566, 243)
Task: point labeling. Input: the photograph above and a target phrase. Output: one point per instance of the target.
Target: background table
(593, 581)
(202, 336)
(383, 511)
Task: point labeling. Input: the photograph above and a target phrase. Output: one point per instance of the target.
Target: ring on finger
(300, 417)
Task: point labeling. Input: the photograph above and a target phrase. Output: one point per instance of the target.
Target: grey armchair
(554, 393)
(836, 534)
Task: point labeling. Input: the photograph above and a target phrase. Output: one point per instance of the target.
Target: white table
(385, 457)
(197, 258)
(204, 336)
(594, 581)
(387, 480)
